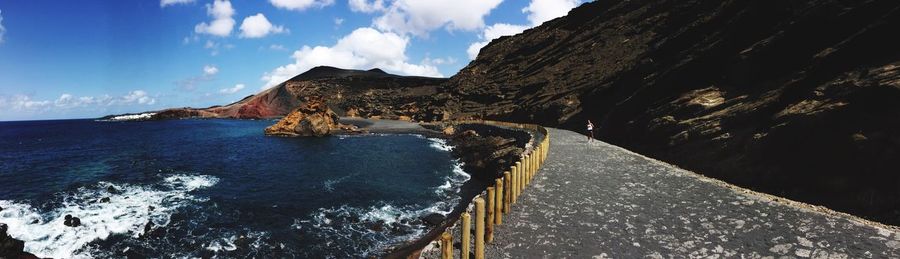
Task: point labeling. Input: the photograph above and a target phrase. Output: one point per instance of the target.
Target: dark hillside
(794, 98)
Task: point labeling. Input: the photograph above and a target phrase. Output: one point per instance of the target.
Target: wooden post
(466, 235)
(446, 246)
(517, 184)
(530, 168)
(507, 190)
(525, 168)
(479, 228)
(498, 204)
(489, 217)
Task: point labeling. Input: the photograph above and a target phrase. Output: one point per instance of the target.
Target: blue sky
(84, 59)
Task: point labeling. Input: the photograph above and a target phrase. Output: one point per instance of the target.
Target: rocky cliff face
(794, 98)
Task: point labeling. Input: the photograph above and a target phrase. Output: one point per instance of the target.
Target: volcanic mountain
(365, 93)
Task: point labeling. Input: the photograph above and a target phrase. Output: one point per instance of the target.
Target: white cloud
(365, 6)
(364, 48)
(136, 96)
(69, 101)
(23, 102)
(277, 47)
(222, 23)
(439, 61)
(539, 11)
(210, 70)
(338, 21)
(300, 5)
(190, 84)
(493, 32)
(164, 3)
(257, 26)
(2, 29)
(419, 17)
(232, 90)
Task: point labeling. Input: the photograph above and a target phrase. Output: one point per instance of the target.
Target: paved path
(600, 201)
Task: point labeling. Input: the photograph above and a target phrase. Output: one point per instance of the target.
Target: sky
(86, 59)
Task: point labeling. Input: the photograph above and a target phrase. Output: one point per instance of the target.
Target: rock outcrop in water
(311, 118)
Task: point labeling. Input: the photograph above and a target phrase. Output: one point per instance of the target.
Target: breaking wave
(126, 212)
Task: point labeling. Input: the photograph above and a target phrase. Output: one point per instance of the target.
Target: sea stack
(312, 118)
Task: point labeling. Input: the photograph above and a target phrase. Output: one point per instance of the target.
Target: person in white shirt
(590, 131)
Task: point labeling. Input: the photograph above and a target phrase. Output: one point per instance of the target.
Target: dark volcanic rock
(10, 247)
(486, 151)
(72, 221)
(799, 98)
(433, 219)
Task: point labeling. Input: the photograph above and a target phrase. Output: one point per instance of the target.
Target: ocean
(217, 188)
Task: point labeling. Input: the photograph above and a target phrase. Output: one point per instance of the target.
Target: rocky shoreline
(485, 150)
(10, 247)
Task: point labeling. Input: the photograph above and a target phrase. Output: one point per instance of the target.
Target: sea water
(217, 188)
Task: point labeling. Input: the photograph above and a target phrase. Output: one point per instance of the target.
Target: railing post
(507, 190)
(479, 228)
(498, 204)
(446, 246)
(489, 217)
(517, 182)
(465, 235)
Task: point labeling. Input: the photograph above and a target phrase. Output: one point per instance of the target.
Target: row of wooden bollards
(491, 206)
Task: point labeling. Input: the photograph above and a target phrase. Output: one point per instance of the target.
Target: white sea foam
(127, 212)
(132, 117)
(352, 226)
(440, 144)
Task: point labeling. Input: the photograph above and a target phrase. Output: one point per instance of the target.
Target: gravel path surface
(595, 200)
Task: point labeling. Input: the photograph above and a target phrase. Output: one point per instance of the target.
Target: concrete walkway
(601, 201)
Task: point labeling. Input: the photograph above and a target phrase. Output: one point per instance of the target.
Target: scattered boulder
(449, 131)
(72, 221)
(433, 219)
(378, 226)
(104, 200)
(112, 189)
(242, 242)
(150, 230)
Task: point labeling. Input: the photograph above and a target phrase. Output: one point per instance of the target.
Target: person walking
(590, 131)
